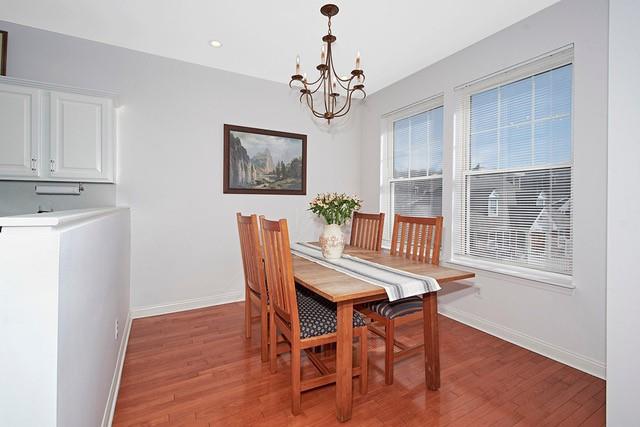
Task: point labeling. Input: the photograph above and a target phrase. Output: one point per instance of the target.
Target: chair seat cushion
(399, 308)
(318, 315)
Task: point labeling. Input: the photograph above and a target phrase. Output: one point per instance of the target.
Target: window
(412, 167)
(513, 202)
(492, 204)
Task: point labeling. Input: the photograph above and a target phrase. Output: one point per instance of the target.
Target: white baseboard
(190, 304)
(549, 350)
(110, 408)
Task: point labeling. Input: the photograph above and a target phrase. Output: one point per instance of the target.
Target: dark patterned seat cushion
(318, 315)
(401, 307)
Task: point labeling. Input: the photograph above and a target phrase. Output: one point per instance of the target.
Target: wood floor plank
(195, 368)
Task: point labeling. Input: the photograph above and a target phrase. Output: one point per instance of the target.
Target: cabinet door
(19, 131)
(81, 137)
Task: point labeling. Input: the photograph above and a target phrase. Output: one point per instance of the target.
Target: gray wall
(19, 197)
(184, 245)
(566, 325)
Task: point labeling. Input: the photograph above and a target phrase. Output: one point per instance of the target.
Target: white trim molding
(543, 277)
(189, 304)
(61, 88)
(536, 345)
(110, 408)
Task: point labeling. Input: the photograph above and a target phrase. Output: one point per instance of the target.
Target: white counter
(53, 219)
(64, 304)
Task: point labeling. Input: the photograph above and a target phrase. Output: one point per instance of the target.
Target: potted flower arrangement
(336, 209)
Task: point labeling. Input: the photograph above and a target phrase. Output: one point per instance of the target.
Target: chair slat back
(279, 269)
(366, 230)
(417, 238)
(251, 253)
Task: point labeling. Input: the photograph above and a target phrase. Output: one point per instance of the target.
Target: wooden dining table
(347, 291)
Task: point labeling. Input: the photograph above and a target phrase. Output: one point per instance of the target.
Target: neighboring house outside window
(514, 169)
(492, 204)
(412, 162)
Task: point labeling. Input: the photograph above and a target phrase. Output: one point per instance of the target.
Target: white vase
(332, 241)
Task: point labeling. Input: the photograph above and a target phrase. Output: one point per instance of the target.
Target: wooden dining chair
(418, 239)
(304, 319)
(255, 290)
(366, 230)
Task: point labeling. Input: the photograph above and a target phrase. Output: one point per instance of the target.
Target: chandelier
(337, 92)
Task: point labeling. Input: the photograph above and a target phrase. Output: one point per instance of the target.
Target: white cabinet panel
(81, 137)
(19, 131)
(55, 133)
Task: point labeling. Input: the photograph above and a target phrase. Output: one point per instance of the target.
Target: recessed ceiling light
(215, 43)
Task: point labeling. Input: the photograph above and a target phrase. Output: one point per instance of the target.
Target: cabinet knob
(52, 165)
(34, 164)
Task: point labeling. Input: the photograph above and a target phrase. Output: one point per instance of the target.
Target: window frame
(386, 157)
(461, 194)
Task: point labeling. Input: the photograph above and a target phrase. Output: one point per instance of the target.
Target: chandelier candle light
(335, 104)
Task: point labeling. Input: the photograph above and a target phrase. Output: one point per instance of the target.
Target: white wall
(93, 293)
(623, 292)
(184, 249)
(566, 325)
(28, 326)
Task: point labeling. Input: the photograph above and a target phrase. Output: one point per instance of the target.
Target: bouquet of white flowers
(335, 208)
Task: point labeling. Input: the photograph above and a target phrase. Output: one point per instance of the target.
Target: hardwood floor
(195, 368)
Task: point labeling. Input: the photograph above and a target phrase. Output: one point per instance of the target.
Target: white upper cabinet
(19, 131)
(81, 137)
(53, 133)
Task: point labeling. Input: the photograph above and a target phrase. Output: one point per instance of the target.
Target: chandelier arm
(347, 80)
(319, 78)
(316, 89)
(310, 105)
(339, 113)
(309, 100)
(344, 113)
(339, 78)
(349, 88)
(347, 105)
(325, 98)
(329, 87)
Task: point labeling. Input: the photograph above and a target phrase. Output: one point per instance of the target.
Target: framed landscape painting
(261, 161)
(3, 52)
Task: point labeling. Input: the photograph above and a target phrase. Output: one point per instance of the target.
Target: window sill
(548, 278)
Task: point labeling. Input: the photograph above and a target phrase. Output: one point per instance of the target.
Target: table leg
(344, 354)
(431, 340)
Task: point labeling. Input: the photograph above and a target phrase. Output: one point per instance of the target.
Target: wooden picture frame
(4, 37)
(263, 161)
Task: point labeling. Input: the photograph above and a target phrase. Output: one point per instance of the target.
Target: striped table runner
(397, 283)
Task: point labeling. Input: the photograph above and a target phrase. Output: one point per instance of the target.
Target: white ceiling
(261, 38)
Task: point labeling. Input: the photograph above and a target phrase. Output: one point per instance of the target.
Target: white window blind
(513, 194)
(412, 172)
